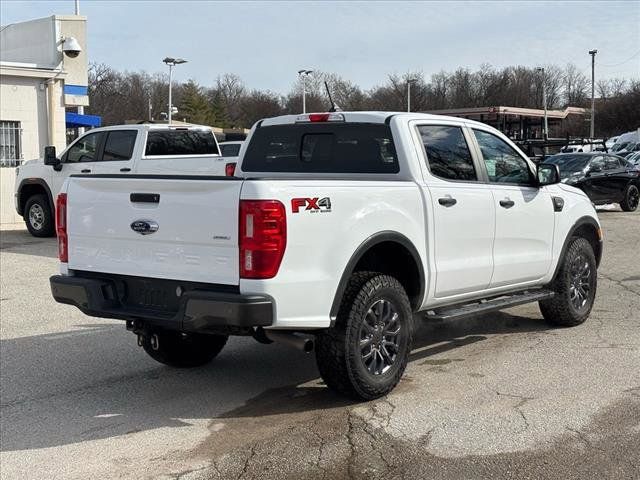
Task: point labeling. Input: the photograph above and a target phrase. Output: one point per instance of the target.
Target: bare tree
(230, 90)
(576, 85)
(125, 96)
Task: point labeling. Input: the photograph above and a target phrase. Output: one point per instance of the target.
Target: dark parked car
(605, 178)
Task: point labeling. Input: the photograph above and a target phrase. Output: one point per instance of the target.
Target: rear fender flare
(373, 240)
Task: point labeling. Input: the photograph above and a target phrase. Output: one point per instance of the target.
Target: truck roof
(371, 117)
(151, 126)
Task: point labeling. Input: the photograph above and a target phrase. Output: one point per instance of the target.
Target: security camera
(71, 47)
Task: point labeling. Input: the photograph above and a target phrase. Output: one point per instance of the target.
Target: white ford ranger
(143, 148)
(336, 228)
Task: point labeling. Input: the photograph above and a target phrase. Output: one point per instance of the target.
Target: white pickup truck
(130, 149)
(336, 229)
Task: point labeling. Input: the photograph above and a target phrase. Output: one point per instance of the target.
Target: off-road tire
(183, 350)
(44, 228)
(630, 202)
(338, 350)
(560, 310)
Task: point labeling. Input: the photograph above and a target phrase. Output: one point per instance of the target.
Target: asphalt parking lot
(499, 396)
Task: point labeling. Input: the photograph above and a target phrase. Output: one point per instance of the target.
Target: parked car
(587, 147)
(604, 178)
(634, 160)
(125, 150)
(336, 229)
(626, 144)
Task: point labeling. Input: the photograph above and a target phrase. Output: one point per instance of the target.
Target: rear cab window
(322, 148)
(230, 150)
(186, 142)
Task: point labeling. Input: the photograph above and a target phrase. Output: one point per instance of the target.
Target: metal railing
(10, 144)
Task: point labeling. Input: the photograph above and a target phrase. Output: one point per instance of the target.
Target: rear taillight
(262, 237)
(230, 169)
(61, 227)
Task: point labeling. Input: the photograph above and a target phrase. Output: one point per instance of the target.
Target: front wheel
(38, 216)
(182, 350)
(631, 199)
(364, 355)
(574, 286)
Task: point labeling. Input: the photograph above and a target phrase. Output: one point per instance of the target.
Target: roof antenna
(334, 107)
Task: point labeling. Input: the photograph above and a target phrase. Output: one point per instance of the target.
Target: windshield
(569, 164)
(620, 146)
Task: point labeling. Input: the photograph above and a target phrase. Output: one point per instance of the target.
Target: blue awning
(75, 120)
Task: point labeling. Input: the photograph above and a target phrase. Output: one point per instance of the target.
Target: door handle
(86, 170)
(125, 169)
(447, 201)
(507, 203)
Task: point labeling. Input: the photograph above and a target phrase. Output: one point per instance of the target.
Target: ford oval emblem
(144, 227)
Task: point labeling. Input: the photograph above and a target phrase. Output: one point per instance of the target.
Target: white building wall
(33, 73)
(24, 100)
(8, 212)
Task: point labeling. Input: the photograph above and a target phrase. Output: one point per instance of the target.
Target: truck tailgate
(112, 218)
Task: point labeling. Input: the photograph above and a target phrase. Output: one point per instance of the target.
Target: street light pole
(303, 74)
(172, 62)
(593, 92)
(545, 134)
(170, 111)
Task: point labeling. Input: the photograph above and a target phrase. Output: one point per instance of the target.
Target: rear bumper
(198, 310)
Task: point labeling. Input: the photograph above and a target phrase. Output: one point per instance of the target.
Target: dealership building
(43, 81)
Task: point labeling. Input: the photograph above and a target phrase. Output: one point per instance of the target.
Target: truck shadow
(22, 242)
(94, 382)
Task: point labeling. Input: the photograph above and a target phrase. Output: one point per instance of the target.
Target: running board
(487, 305)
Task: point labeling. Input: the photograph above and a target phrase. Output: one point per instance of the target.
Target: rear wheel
(574, 286)
(38, 216)
(182, 350)
(365, 354)
(631, 199)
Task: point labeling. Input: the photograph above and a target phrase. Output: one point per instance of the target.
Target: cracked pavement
(502, 395)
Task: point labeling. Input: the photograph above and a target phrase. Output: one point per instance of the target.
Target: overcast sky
(267, 42)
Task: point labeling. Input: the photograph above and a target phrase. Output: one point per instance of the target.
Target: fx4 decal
(313, 205)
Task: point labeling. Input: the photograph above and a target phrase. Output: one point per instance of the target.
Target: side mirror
(595, 169)
(50, 157)
(548, 174)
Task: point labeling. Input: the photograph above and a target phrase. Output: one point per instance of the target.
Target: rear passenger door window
(119, 145)
(503, 163)
(448, 155)
(611, 163)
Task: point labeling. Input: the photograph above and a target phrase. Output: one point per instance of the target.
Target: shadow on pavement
(22, 242)
(94, 382)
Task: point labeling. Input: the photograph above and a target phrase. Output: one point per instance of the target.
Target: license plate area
(151, 294)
